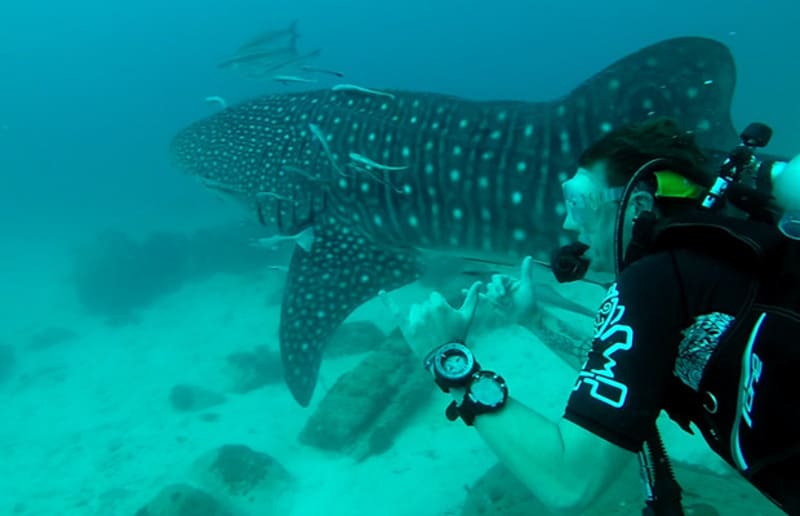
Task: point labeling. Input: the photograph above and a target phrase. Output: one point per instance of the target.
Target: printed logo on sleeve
(600, 383)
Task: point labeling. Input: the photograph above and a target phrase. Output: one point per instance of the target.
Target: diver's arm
(562, 339)
(564, 465)
(514, 301)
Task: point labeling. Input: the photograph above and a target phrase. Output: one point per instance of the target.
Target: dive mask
(582, 198)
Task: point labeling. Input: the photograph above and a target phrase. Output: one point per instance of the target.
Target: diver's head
(592, 195)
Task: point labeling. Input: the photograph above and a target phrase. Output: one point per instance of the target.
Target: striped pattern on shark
(381, 174)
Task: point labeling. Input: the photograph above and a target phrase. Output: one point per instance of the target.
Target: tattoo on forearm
(572, 346)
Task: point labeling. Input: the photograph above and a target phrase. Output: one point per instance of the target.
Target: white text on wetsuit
(600, 382)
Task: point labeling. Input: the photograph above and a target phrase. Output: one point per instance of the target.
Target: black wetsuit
(655, 334)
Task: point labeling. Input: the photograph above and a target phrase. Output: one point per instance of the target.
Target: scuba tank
(785, 179)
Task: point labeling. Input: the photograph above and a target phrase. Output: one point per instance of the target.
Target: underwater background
(139, 329)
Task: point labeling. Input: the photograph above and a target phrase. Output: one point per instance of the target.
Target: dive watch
(454, 367)
(486, 392)
(451, 365)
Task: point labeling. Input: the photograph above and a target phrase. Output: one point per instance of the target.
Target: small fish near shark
(383, 175)
(268, 52)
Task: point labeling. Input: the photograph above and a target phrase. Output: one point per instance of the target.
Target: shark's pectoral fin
(341, 271)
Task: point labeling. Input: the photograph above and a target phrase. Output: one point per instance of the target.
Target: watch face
(488, 390)
(453, 362)
(455, 365)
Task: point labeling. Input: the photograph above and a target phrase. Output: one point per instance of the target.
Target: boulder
(369, 406)
(245, 481)
(190, 398)
(182, 500)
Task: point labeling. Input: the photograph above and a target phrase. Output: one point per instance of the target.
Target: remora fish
(434, 172)
(268, 52)
(259, 64)
(274, 38)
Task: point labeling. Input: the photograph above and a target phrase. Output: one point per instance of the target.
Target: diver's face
(591, 207)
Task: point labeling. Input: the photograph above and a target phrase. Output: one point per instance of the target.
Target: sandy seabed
(87, 427)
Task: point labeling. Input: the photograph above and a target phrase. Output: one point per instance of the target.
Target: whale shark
(372, 178)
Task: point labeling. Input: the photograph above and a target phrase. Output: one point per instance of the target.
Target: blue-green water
(123, 277)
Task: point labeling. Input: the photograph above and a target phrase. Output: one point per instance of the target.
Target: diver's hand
(512, 299)
(434, 322)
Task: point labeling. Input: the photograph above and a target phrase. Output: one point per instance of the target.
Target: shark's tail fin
(689, 79)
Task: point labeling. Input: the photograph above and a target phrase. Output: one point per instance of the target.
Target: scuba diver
(700, 322)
